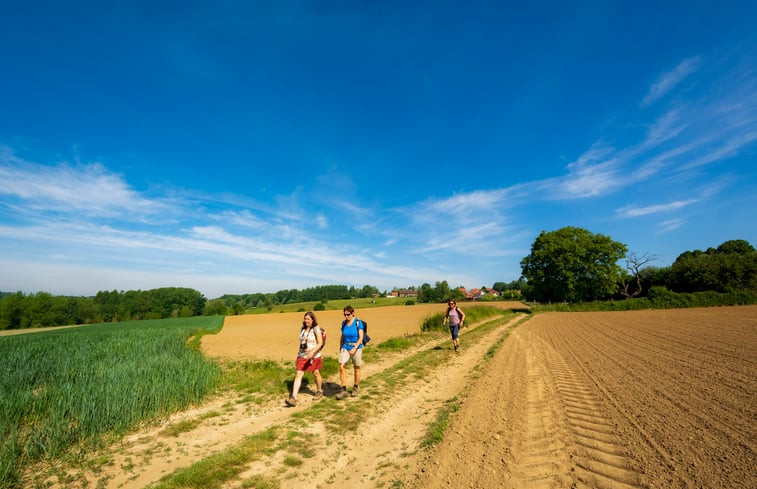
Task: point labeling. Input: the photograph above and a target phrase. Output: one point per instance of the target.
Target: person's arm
(360, 335)
(462, 316)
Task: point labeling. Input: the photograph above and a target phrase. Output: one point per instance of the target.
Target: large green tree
(573, 264)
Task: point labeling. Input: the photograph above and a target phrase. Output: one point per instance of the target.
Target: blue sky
(237, 147)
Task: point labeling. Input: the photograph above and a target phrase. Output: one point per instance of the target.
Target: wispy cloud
(722, 150)
(463, 204)
(88, 189)
(709, 125)
(668, 81)
(595, 172)
(653, 209)
(666, 127)
(669, 225)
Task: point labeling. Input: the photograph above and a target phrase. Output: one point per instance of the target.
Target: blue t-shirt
(351, 335)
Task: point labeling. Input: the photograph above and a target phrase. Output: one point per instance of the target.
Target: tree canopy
(730, 266)
(573, 264)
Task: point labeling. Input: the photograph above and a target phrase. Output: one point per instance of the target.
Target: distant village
(470, 295)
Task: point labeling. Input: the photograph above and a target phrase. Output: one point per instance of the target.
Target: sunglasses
(347, 314)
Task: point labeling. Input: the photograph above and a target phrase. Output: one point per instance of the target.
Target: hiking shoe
(342, 394)
(355, 392)
(318, 395)
(457, 348)
(291, 401)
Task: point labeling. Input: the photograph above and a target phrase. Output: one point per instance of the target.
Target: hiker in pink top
(454, 317)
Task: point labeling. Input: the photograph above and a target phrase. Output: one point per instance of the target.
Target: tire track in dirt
(554, 435)
(513, 429)
(538, 455)
(678, 391)
(600, 459)
(473, 454)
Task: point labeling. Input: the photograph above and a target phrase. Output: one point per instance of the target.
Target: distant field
(274, 336)
(334, 304)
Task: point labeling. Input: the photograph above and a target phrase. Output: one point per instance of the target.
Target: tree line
(237, 303)
(575, 265)
(41, 309)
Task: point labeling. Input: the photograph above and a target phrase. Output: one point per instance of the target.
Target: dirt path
(144, 457)
(382, 451)
(611, 400)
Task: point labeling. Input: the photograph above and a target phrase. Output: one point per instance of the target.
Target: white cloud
(666, 127)
(88, 189)
(595, 173)
(243, 219)
(669, 225)
(667, 81)
(654, 209)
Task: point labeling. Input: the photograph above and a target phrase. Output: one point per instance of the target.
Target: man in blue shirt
(351, 348)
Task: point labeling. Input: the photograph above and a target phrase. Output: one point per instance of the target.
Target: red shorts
(309, 365)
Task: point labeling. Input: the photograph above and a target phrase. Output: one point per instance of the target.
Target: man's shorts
(357, 358)
(454, 331)
(309, 365)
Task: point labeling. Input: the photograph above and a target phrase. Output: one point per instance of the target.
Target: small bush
(292, 461)
(410, 302)
(395, 344)
(319, 306)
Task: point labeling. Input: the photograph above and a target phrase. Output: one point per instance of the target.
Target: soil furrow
(675, 401)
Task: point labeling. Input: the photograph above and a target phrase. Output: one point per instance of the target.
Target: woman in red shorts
(308, 357)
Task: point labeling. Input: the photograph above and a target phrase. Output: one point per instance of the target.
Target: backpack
(323, 335)
(366, 338)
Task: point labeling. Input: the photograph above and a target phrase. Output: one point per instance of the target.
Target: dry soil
(662, 399)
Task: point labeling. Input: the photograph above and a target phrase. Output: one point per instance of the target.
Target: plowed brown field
(660, 399)
(629, 399)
